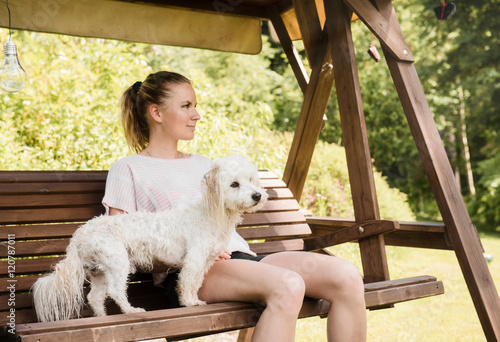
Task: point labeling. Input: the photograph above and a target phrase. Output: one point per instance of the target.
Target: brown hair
(135, 103)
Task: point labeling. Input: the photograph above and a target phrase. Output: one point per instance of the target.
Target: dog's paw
(194, 302)
(135, 310)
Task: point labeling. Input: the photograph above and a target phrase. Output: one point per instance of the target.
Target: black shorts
(245, 256)
(170, 282)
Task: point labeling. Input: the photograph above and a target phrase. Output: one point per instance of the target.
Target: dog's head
(234, 182)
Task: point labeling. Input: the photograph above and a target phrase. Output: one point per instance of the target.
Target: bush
(327, 191)
(68, 116)
(484, 206)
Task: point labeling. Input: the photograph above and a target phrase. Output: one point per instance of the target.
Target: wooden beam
(245, 335)
(184, 323)
(217, 6)
(379, 295)
(289, 49)
(461, 231)
(316, 100)
(311, 115)
(310, 30)
(308, 127)
(357, 231)
(355, 137)
(410, 234)
(385, 28)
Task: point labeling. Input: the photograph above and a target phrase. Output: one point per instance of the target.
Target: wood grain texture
(279, 226)
(460, 228)
(355, 137)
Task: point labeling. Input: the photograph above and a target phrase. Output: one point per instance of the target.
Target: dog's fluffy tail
(59, 295)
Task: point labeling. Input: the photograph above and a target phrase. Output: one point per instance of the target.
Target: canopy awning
(139, 22)
(223, 25)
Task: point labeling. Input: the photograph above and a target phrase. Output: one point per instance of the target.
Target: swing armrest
(355, 232)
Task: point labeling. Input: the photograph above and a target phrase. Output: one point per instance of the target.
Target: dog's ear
(213, 193)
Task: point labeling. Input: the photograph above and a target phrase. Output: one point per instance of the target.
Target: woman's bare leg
(281, 289)
(333, 279)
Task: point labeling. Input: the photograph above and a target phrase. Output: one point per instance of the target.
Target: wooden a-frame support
(331, 55)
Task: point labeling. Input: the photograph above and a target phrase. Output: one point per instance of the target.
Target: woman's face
(179, 114)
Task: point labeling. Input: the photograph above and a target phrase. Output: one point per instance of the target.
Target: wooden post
(289, 49)
(310, 29)
(245, 335)
(314, 106)
(316, 90)
(364, 196)
(461, 231)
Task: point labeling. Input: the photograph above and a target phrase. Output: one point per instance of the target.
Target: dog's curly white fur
(108, 248)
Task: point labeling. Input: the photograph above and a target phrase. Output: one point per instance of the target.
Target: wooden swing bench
(40, 210)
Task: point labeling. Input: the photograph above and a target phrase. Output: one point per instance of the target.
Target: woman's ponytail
(134, 122)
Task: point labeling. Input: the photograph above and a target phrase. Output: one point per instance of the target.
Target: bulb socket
(10, 48)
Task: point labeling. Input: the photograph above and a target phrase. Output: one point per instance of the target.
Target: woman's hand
(226, 255)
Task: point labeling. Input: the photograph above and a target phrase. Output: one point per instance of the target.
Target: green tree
(391, 144)
(68, 115)
(463, 79)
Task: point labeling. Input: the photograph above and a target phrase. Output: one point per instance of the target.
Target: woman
(156, 114)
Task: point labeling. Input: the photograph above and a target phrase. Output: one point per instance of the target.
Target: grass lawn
(448, 317)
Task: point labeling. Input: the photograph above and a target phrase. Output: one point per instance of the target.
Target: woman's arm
(114, 211)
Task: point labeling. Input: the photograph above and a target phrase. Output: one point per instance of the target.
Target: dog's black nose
(256, 196)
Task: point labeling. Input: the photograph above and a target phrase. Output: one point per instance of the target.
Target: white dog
(109, 248)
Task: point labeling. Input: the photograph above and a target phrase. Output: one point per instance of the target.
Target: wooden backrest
(40, 210)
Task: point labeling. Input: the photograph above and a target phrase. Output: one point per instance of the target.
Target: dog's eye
(235, 185)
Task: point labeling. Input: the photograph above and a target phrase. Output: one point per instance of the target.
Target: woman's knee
(346, 281)
(287, 292)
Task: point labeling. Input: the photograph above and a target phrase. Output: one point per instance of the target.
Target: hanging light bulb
(12, 75)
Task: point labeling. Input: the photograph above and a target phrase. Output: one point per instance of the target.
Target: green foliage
(327, 195)
(68, 115)
(485, 204)
(327, 190)
(391, 143)
(462, 52)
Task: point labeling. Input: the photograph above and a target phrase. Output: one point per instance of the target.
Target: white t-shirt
(141, 183)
